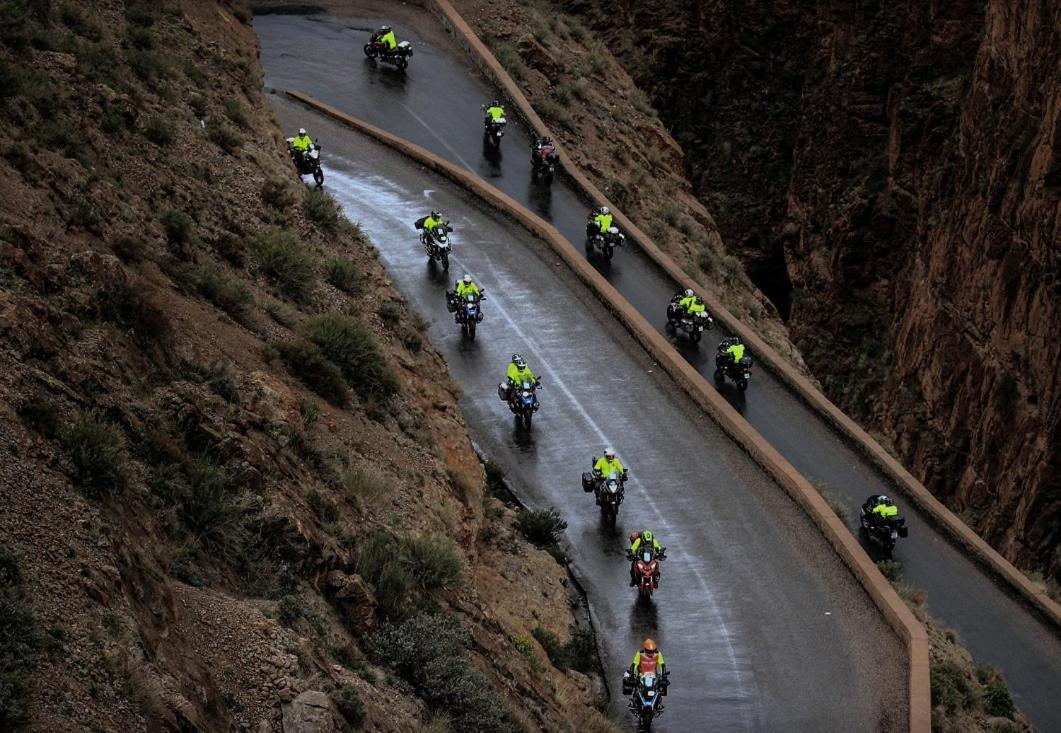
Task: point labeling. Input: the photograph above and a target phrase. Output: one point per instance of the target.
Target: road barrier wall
(693, 383)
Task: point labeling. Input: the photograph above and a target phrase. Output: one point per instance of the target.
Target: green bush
(393, 590)
(128, 307)
(350, 706)
(541, 527)
(211, 283)
(433, 561)
(72, 17)
(206, 496)
(525, 647)
(20, 640)
(343, 274)
(222, 382)
(321, 507)
(352, 347)
(366, 483)
(130, 249)
(60, 136)
(148, 66)
(278, 194)
(316, 371)
(98, 62)
(290, 608)
(430, 652)
(996, 701)
(390, 313)
(950, 688)
(225, 138)
(141, 39)
(177, 225)
(159, 131)
(96, 452)
(142, 14)
(281, 258)
(321, 209)
(235, 112)
(580, 653)
(41, 414)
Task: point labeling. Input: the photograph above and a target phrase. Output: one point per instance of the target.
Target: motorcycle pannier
(587, 482)
(502, 392)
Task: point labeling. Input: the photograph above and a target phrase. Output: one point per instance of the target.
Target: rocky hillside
(238, 493)
(889, 175)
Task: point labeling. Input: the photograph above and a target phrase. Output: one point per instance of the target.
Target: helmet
(518, 360)
(467, 278)
(385, 28)
(604, 210)
(884, 499)
(436, 214)
(688, 292)
(496, 103)
(649, 646)
(647, 535)
(633, 537)
(302, 131)
(609, 453)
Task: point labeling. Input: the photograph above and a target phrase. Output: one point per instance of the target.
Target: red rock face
(889, 175)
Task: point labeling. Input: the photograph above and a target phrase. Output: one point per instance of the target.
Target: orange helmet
(649, 647)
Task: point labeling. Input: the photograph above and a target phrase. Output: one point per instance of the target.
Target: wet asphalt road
(760, 622)
(437, 104)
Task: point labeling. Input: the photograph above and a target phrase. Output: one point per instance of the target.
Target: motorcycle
(307, 163)
(436, 244)
(610, 492)
(693, 324)
(645, 569)
(740, 372)
(645, 697)
(399, 56)
(494, 130)
(882, 532)
(605, 242)
(522, 399)
(543, 168)
(467, 311)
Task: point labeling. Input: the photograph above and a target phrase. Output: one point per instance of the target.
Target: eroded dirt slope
(232, 458)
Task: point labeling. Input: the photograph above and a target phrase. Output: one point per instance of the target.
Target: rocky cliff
(889, 175)
(237, 492)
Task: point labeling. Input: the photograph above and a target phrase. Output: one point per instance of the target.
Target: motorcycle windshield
(646, 557)
(613, 487)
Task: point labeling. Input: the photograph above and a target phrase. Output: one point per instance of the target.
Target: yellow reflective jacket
(637, 545)
(464, 289)
(659, 661)
(886, 510)
(691, 304)
(388, 40)
(496, 112)
(515, 375)
(605, 467)
(301, 142)
(737, 351)
(604, 221)
(431, 222)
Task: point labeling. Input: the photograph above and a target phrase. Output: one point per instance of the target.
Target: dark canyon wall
(888, 173)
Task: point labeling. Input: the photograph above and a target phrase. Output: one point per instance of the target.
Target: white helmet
(467, 278)
(609, 453)
(689, 292)
(604, 210)
(302, 131)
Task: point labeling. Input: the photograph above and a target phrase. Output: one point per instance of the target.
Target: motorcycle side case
(587, 482)
(628, 684)
(451, 302)
(502, 392)
(903, 531)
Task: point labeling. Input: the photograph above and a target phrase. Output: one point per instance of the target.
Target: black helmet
(518, 360)
(496, 103)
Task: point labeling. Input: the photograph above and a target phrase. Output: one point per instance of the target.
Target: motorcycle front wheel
(318, 176)
(401, 63)
(368, 51)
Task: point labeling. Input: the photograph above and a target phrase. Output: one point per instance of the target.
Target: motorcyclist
(430, 222)
(466, 286)
(385, 37)
(637, 541)
(649, 660)
(495, 112)
(543, 147)
(732, 349)
(600, 222)
(517, 373)
(604, 467)
(300, 143)
(690, 302)
(881, 509)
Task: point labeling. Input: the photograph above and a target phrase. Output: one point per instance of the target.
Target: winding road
(749, 581)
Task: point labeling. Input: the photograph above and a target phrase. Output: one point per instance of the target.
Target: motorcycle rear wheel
(719, 377)
(742, 384)
(471, 331)
(695, 336)
(401, 63)
(445, 261)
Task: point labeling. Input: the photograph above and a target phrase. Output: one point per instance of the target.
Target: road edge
(974, 545)
(898, 616)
